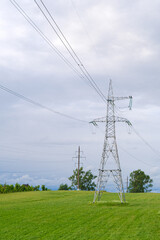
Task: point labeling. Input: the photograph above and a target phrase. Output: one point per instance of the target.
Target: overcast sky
(118, 39)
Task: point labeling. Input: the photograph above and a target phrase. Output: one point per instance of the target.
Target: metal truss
(110, 150)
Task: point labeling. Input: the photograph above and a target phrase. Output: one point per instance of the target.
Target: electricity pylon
(110, 164)
(79, 157)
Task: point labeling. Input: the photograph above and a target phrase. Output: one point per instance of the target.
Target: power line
(131, 155)
(9, 149)
(146, 143)
(117, 110)
(70, 49)
(134, 157)
(142, 138)
(18, 172)
(49, 42)
(39, 104)
(46, 39)
(80, 19)
(74, 55)
(18, 160)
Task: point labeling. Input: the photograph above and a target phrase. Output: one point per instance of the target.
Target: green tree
(63, 187)
(17, 187)
(86, 180)
(1, 188)
(44, 188)
(139, 182)
(23, 188)
(11, 188)
(36, 188)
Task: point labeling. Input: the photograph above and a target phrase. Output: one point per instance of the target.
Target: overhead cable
(137, 159)
(47, 40)
(80, 19)
(70, 49)
(39, 104)
(131, 155)
(31, 22)
(146, 143)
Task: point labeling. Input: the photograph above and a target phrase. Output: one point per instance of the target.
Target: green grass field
(71, 215)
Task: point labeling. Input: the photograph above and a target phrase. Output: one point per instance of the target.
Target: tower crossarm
(94, 122)
(116, 119)
(123, 98)
(120, 119)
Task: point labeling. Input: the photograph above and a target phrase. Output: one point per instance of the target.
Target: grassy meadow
(71, 215)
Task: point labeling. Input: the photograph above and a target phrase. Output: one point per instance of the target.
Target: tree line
(5, 188)
(139, 181)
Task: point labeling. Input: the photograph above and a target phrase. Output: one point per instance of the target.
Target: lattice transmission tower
(110, 164)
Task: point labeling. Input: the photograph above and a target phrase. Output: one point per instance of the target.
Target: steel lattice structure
(110, 150)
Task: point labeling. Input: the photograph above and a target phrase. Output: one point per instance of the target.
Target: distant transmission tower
(110, 164)
(79, 157)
